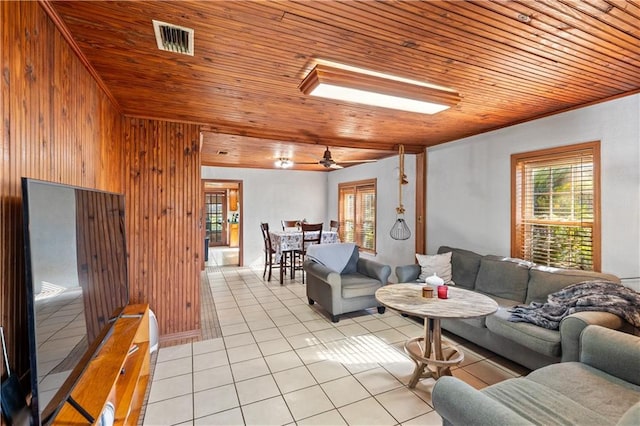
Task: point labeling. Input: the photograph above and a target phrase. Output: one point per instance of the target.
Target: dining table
(291, 240)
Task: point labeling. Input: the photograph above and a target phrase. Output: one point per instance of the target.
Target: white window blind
(556, 207)
(357, 213)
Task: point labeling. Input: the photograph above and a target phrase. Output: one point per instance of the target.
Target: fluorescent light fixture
(283, 163)
(371, 88)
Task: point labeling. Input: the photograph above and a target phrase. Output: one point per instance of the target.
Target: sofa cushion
(544, 280)
(439, 264)
(503, 277)
(502, 302)
(536, 338)
(356, 285)
(579, 381)
(464, 266)
(542, 405)
(482, 321)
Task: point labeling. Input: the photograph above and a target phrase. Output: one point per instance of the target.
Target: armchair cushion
(356, 285)
(542, 404)
(588, 387)
(479, 408)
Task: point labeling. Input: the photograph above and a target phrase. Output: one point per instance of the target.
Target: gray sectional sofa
(601, 388)
(511, 282)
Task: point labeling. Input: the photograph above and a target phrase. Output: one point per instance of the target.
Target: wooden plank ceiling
(511, 61)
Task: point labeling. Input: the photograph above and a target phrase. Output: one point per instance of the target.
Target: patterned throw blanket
(604, 296)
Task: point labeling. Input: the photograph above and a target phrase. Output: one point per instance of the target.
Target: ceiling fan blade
(358, 161)
(335, 166)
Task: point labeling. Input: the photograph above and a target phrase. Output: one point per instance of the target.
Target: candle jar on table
(443, 292)
(427, 292)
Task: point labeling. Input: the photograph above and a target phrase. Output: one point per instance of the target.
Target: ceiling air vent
(173, 38)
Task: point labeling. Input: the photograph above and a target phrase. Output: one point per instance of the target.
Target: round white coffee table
(426, 350)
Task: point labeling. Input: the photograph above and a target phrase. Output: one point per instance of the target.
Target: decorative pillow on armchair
(439, 264)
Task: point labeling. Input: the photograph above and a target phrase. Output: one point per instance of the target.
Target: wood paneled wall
(56, 125)
(163, 195)
(102, 262)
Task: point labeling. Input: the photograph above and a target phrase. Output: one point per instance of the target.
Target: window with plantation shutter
(555, 206)
(357, 213)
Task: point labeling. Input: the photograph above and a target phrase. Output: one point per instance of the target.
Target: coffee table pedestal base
(427, 351)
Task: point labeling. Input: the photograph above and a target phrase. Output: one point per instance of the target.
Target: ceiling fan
(328, 162)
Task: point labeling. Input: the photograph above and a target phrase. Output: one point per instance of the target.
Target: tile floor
(224, 256)
(280, 361)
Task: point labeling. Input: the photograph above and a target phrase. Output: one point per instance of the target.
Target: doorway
(215, 204)
(223, 222)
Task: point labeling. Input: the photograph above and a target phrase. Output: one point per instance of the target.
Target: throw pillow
(439, 264)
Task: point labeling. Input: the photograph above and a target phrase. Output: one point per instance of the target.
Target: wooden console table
(119, 373)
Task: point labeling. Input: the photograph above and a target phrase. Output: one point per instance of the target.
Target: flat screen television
(77, 285)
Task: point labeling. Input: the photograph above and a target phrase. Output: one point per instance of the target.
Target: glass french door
(216, 208)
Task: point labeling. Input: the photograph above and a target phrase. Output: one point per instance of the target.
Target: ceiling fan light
(374, 89)
(283, 163)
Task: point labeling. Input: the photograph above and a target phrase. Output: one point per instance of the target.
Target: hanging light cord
(400, 230)
(401, 180)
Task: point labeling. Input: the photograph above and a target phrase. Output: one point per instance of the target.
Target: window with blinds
(556, 206)
(357, 213)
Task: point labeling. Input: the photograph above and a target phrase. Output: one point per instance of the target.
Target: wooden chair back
(334, 225)
(290, 224)
(311, 233)
(264, 227)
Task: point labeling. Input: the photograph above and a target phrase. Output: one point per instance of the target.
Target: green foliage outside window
(561, 194)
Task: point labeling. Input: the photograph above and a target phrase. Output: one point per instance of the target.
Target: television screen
(77, 285)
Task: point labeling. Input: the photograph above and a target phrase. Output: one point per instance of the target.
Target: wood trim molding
(421, 202)
(280, 134)
(66, 34)
(239, 183)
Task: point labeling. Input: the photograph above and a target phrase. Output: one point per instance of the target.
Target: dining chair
(291, 255)
(290, 225)
(334, 225)
(311, 234)
(269, 253)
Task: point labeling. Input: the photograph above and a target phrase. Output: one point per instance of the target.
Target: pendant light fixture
(400, 230)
